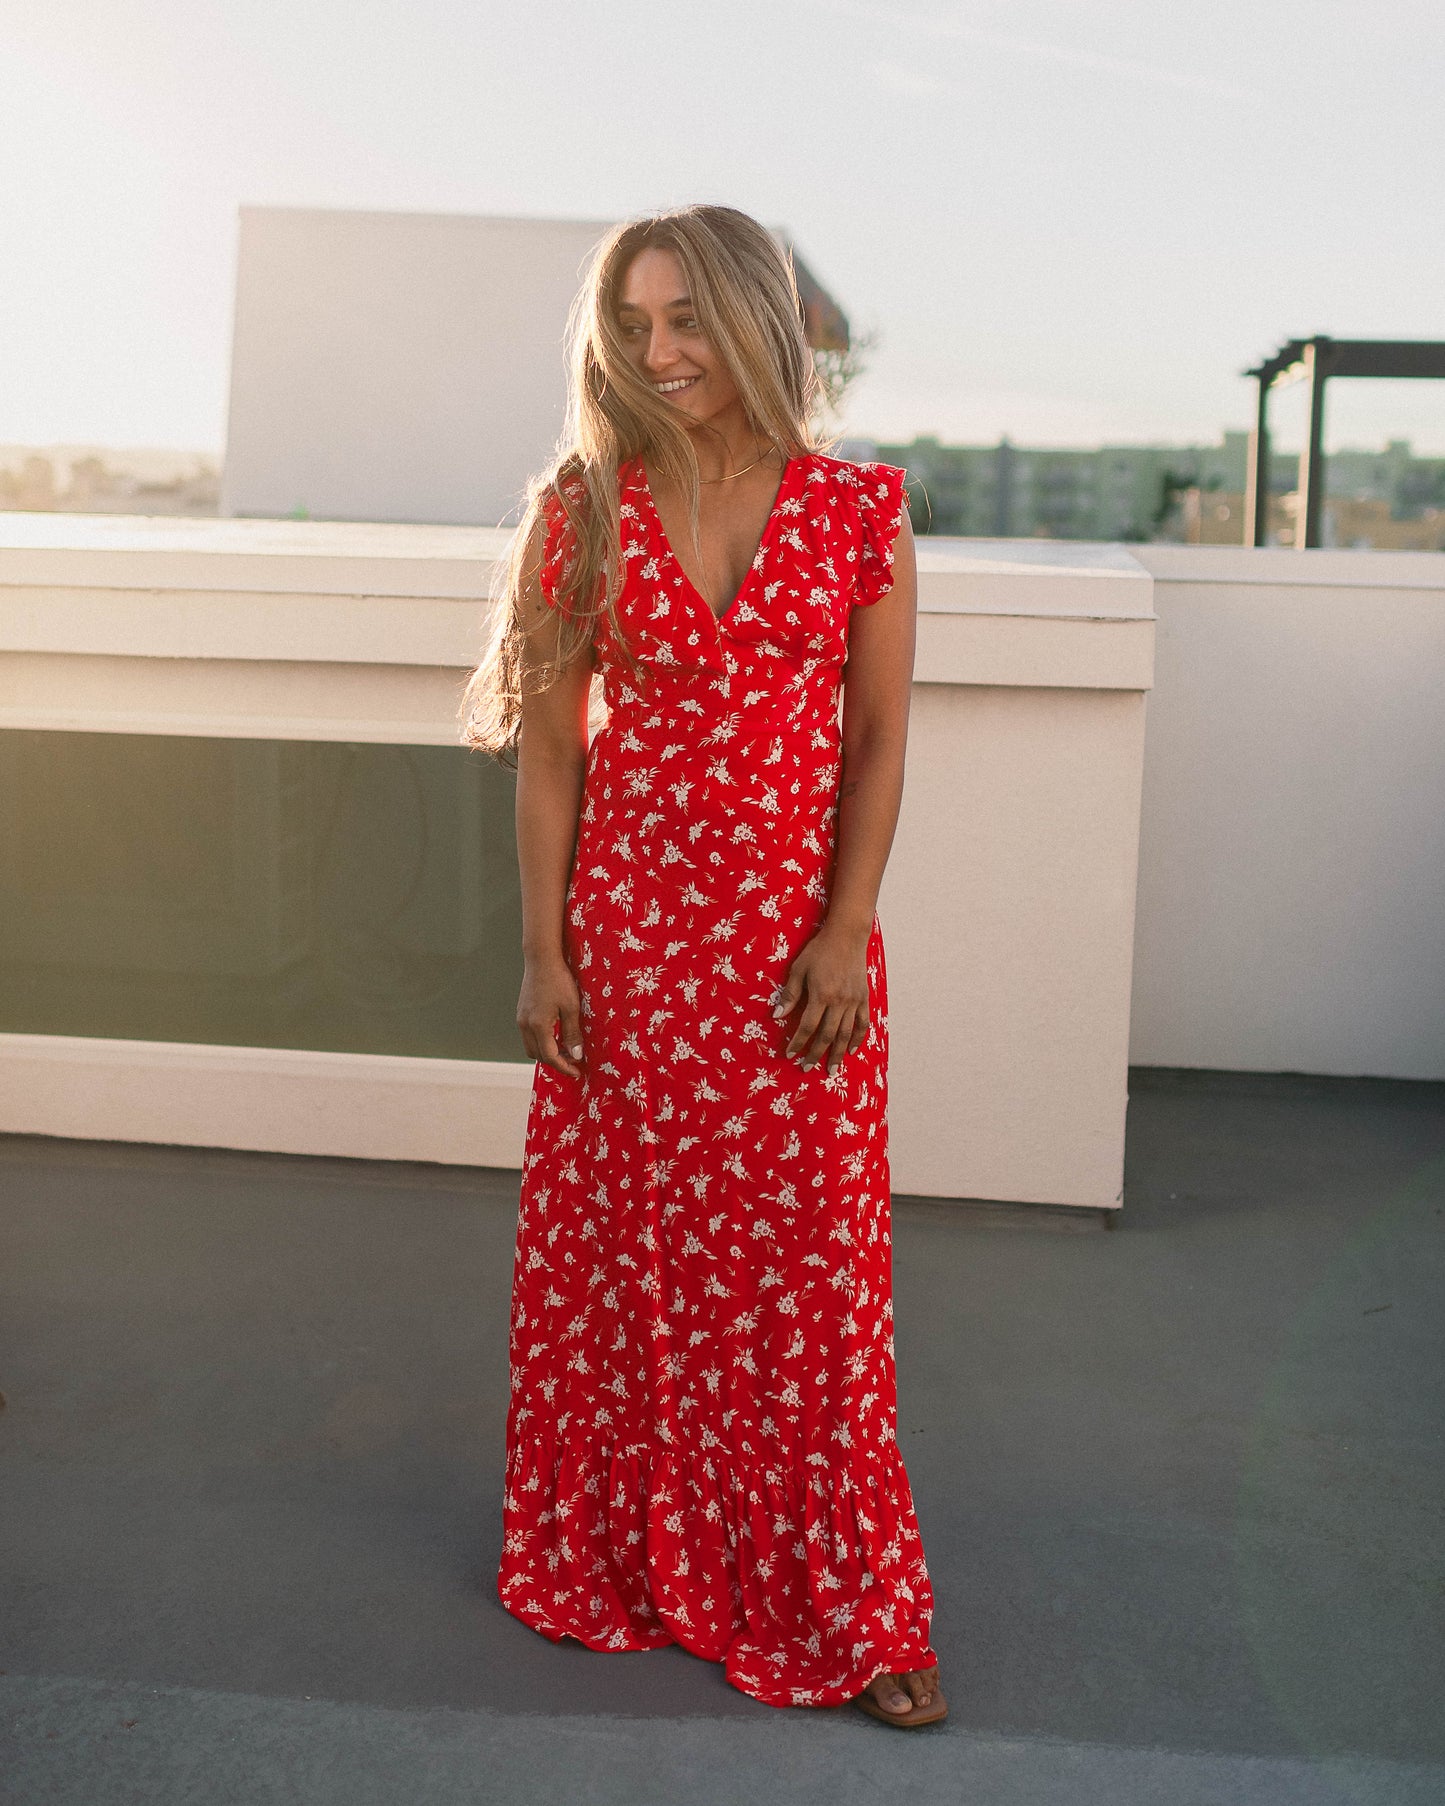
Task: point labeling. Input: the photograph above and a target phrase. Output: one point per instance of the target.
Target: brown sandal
(933, 1713)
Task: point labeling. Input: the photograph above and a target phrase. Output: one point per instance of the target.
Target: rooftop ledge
(378, 558)
(367, 593)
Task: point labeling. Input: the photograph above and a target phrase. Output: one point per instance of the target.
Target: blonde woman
(701, 1435)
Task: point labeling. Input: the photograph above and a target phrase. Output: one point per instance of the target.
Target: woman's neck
(726, 444)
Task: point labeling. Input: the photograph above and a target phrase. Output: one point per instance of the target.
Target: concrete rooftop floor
(1180, 1487)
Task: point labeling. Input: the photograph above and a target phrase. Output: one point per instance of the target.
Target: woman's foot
(907, 1698)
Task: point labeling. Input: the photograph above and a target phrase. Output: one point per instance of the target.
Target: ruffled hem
(805, 1582)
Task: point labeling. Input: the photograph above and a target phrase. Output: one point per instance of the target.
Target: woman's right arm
(551, 762)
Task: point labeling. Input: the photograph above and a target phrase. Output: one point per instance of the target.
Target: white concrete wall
(1288, 806)
(396, 366)
(1007, 909)
(1291, 911)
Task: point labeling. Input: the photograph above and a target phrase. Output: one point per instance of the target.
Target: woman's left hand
(830, 977)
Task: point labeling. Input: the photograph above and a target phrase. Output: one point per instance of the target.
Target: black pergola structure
(1315, 361)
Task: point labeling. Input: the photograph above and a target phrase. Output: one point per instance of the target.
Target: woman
(700, 1442)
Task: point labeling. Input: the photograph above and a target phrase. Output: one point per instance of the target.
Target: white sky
(1069, 222)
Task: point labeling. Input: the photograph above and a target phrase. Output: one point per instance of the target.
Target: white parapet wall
(1008, 907)
(1292, 854)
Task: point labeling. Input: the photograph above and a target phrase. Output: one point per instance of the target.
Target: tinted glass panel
(259, 893)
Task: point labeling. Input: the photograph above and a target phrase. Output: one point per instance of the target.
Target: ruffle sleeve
(882, 501)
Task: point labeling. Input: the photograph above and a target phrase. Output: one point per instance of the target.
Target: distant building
(407, 366)
(1140, 492)
(81, 479)
(1351, 521)
(1115, 492)
(1215, 517)
(1408, 485)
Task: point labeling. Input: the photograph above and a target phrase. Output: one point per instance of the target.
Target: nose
(662, 350)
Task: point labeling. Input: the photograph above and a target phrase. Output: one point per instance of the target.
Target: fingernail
(576, 1052)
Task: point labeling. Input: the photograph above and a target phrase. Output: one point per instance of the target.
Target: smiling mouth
(676, 387)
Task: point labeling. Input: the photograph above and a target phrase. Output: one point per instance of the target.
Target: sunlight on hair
(745, 295)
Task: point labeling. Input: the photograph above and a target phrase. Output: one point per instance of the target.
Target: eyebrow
(631, 307)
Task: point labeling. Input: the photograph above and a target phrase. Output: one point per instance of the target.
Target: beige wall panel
(1007, 913)
(1292, 842)
(409, 705)
(456, 1112)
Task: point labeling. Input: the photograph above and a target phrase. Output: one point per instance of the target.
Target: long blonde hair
(744, 294)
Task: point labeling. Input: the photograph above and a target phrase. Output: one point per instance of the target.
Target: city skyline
(1069, 227)
(1386, 497)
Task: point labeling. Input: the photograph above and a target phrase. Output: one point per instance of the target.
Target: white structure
(1009, 904)
(396, 366)
(406, 366)
(1292, 843)
(1288, 872)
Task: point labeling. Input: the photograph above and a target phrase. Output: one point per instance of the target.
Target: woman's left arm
(830, 973)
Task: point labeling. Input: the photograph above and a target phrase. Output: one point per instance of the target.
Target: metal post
(1256, 476)
(1311, 464)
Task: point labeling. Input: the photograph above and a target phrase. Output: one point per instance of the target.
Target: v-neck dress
(701, 1437)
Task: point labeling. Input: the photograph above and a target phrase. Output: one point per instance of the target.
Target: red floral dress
(701, 1437)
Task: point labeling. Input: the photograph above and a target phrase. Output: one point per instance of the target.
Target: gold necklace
(745, 469)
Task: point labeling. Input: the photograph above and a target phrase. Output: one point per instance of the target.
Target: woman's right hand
(550, 997)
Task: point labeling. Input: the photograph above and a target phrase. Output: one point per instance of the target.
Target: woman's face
(664, 342)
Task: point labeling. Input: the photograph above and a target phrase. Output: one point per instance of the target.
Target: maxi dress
(701, 1436)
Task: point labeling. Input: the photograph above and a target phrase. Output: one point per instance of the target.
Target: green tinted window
(259, 893)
